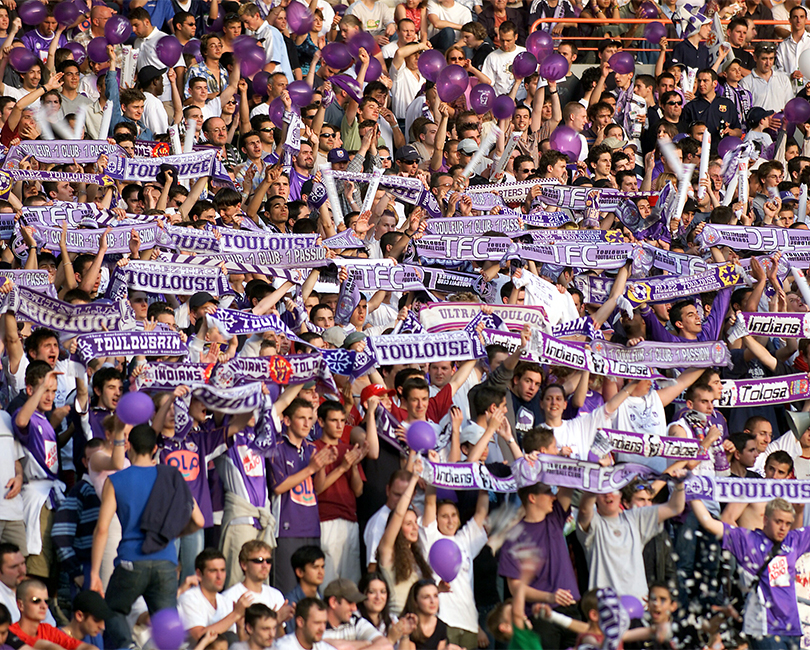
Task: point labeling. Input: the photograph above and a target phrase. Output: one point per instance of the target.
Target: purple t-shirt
(716, 418)
(777, 584)
(245, 474)
(190, 455)
(554, 571)
(39, 439)
(39, 45)
(299, 506)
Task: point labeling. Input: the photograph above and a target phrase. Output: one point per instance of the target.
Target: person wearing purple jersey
(685, 319)
(39, 40)
(767, 558)
(108, 386)
(191, 454)
(293, 464)
(42, 491)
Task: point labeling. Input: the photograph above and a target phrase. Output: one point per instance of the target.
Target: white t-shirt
(212, 108)
(457, 609)
(405, 89)
(497, 66)
(269, 596)
(147, 55)
(787, 443)
(642, 415)
(196, 611)
(578, 434)
(10, 451)
(155, 117)
(458, 14)
(290, 642)
(375, 528)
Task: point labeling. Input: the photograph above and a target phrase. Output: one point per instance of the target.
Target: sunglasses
(327, 135)
(37, 601)
(259, 560)
(673, 103)
(266, 130)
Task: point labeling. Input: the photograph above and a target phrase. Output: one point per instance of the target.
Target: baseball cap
(615, 143)
(90, 602)
(351, 339)
(408, 153)
(199, 299)
(691, 206)
(148, 73)
(345, 589)
(756, 115)
(787, 196)
(337, 156)
(375, 389)
(334, 336)
(137, 295)
(471, 434)
(468, 146)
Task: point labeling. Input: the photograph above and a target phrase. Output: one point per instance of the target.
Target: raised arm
(708, 522)
(385, 550)
(684, 381)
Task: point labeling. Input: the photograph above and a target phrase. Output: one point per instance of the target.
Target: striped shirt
(73, 526)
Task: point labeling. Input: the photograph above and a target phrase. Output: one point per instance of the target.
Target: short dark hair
(304, 555)
(37, 337)
(295, 405)
(327, 407)
(485, 397)
(142, 439)
(303, 607)
(779, 456)
(205, 556)
(414, 383)
(257, 612)
(36, 372)
(540, 436)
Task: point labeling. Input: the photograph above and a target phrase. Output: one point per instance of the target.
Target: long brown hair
(406, 554)
(412, 607)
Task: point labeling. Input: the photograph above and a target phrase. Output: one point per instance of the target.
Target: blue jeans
(188, 548)
(155, 580)
(775, 643)
(443, 39)
(698, 563)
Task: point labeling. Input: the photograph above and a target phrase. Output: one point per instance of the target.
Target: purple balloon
(97, 50)
(192, 48)
(797, 110)
(168, 50)
(252, 61)
(117, 30)
(32, 12)
(167, 629)
(217, 25)
(298, 18)
(445, 558)
(66, 13)
(364, 40)
(260, 81)
(340, 10)
(503, 107)
(337, 56)
(374, 69)
(622, 63)
(22, 59)
(135, 408)
(654, 32)
(481, 98)
(540, 44)
(79, 53)
(431, 63)
(648, 10)
(554, 67)
(277, 112)
(633, 606)
(242, 44)
(421, 436)
(565, 140)
(524, 65)
(451, 83)
(300, 93)
(727, 144)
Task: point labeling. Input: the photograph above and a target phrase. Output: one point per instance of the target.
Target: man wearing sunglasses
(770, 89)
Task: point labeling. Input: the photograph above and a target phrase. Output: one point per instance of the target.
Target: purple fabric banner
(345, 239)
(651, 445)
(739, 393)
(61, 151)
(578, 236)
(782, 325)
(128, 344)
(753, 238)
(746, 490)
(68, 319)
(671, 288)
(673, 262)
(445, 316)
(35, 280)
(694, 354)
(578, 474)
(87, 240)
(509, 225)
(578, 198)
(419, 348)
(162, 277)
(348, 299)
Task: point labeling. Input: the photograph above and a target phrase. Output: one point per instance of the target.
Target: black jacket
(167, 511)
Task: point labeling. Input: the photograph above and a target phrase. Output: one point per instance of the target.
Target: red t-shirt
(7, 135)
(48, 633)
(338, 500)
(437, 406)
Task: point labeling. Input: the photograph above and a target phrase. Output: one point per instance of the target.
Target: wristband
(560, 619)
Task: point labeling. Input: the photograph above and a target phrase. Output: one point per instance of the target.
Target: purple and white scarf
(419, 348)
(61, 151)
(128, 344)
(746, 490)
(651, 445)
(167, 278)
(694, 354)
(740, 393)
(755, 238)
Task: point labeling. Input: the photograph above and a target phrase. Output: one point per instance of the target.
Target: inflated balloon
(216, 26)
(299, 19)
(192, 48)
(524, 65)
(540, 44)
(451, 83)
(32, 12)
(349, 84)
(97, 50)
(554, 67)
(135, 408)
(654, 32)
(445, 558)
(243, 43)
(622, 63)
(727, 144)
(66, 13)
(797, 110)
(336, 55)
(79, 53)
(364, 40)
(277, 112)
(340, 10)
(300, 93)
(421, 436)
(22, 59)
(168, 50)
(633, 606)
(481, 98)
(565, 140)
(251, 61)
(804, 64)
(168, 632)
(373, 71)
(648, 10)
(431, 63)
(117, 30)
(260, 81)
(503, 108)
